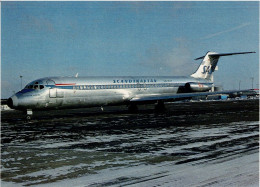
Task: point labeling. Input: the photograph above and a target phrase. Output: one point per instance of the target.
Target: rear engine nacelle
(198, 87)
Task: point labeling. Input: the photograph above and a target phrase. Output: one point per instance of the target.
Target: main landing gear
(159, 107)
(132, 108)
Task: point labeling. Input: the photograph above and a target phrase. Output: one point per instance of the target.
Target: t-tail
(209, 63)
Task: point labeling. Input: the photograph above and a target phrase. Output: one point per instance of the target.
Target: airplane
(82, 92)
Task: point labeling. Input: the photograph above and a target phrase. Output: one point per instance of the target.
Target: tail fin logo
(207, 69)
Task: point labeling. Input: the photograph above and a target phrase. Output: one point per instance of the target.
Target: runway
(190, 144)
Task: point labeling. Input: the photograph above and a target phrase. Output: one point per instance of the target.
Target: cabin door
(53, 92)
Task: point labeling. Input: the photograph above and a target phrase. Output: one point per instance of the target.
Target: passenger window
(31, 86)
(41, 86)
(35, 87)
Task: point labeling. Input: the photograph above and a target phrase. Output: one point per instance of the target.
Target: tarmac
(208, 143)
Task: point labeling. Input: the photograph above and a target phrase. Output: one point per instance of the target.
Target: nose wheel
(29, 114)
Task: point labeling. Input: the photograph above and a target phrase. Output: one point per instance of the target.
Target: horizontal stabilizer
(224, 54)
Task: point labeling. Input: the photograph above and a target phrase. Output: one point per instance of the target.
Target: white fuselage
(75, 92)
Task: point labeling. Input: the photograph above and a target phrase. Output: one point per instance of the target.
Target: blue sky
(41, 39)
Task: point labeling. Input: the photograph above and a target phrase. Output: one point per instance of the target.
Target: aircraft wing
(143, 98)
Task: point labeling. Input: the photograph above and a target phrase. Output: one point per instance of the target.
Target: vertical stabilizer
(207, 66)
(209, 63)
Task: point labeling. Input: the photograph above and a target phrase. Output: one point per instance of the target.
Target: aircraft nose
(10, 103)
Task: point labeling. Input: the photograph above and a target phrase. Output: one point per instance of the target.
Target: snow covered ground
(206, 148)
(242, 170)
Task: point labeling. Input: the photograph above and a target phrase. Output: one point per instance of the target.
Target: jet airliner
(82, 92)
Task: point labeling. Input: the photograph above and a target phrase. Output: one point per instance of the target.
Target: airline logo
(207, 69)
(135, 81)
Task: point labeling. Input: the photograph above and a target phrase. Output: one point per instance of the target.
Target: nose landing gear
(29, 114)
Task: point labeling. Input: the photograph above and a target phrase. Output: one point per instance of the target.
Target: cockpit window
(36, 85)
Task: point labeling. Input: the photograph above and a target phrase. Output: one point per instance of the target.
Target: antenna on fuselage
(77, 75)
